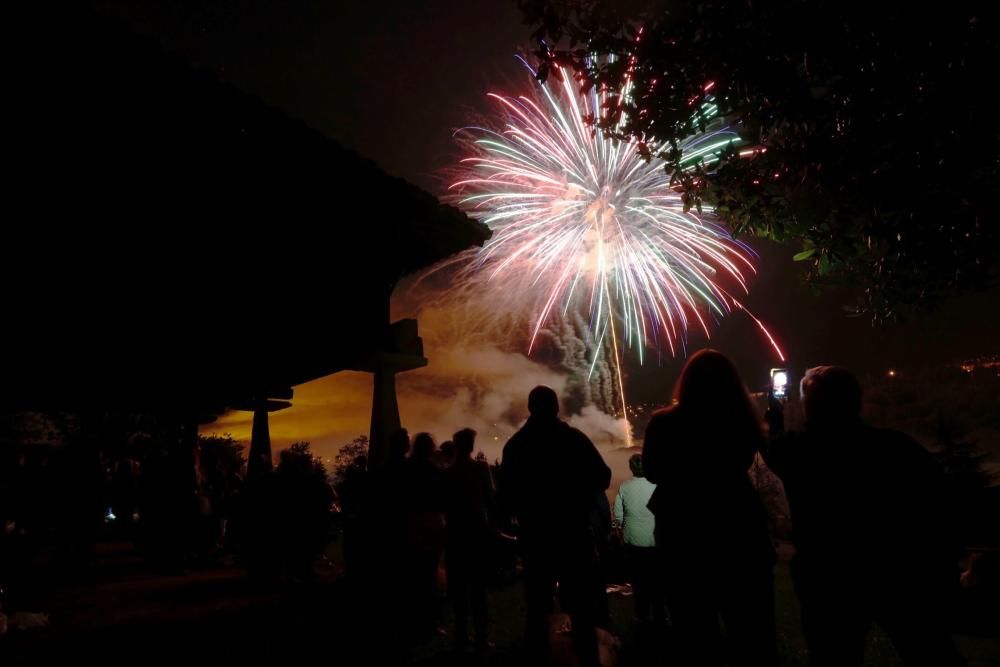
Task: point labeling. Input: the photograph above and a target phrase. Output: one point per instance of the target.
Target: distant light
(892, 373)
(109, 516)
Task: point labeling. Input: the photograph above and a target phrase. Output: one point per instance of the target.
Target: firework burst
(584, 225)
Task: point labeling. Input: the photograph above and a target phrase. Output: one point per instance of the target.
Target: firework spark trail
(584, 225)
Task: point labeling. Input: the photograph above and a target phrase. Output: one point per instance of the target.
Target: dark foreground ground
(120, 614)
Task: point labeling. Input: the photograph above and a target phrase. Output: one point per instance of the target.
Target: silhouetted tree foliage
(968, 481)
(919, 402)
(222, 451)
(348, 454)
(954, 414)
(304, 450)
(874, 125)
(961, 458)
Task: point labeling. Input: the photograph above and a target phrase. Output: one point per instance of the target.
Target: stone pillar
(259, 462)
(385, 413)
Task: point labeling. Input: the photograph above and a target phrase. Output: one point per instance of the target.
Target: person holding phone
(870, 528)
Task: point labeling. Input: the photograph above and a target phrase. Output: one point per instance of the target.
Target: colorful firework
(581, 222)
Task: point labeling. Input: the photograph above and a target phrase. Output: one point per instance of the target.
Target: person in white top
(637, 523)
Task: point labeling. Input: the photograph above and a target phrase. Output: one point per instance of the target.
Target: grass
(123, 615)
(507, 614)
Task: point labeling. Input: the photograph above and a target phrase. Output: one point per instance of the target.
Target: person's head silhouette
(423, 447)
(399, 445)
(543, 403)
(831, 396)
(709, 379)
(464, 441)
(447, 452)
(711, 397)
(635, 465)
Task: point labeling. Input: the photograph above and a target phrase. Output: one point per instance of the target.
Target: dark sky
(394, 79)
(391, 79)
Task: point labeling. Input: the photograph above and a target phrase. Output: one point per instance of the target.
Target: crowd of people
(868, 507)
(423, 506)
(868, 511)
(872, 538)
(175, 512)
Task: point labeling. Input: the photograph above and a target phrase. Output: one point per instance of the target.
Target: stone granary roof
(172, 241)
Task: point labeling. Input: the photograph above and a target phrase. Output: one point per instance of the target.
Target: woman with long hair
(711, 527)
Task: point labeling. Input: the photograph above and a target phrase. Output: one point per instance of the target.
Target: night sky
(393, 80)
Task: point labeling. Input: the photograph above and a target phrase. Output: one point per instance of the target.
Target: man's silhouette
(469, 496)
(424, 507)
(303, 498)
(869, 521)
(550, 474)
(353, 492)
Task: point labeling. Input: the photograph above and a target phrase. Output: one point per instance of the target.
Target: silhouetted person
(715, 555)
(980, 590)
(870, 529)
(353, 492)
(78, 477)
(550, 474)
(633, 515)
(445, 454)
(15, 551)
(600, 529)
(124, 491)
(469, 504)
(166, 499)
(425, 533)
(303, 499)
